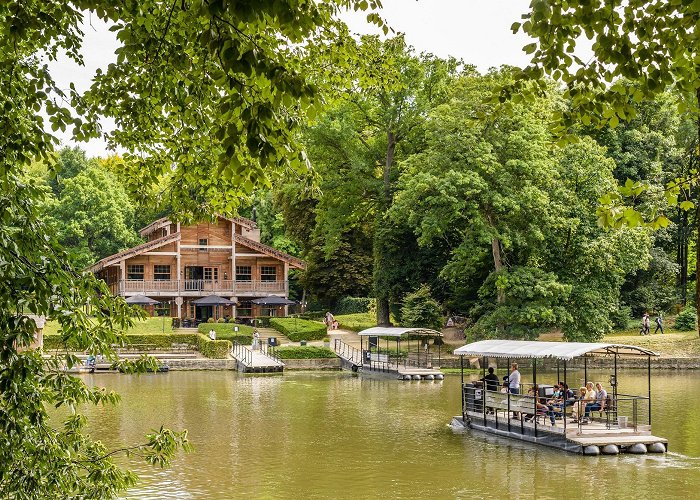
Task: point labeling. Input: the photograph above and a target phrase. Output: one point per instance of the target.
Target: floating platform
(592, 439)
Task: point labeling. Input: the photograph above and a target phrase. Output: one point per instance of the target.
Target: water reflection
(337, 435)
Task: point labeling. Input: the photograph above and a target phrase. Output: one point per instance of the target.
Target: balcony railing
(178, 286)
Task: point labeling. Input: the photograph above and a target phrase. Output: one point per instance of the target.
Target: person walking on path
(645, 330)
(659, 324)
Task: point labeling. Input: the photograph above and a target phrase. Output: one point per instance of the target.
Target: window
(134, 272)
(161, 272)
(268, 273)
(203, 242)
(163, 309)
(244, 273)
(211, 274)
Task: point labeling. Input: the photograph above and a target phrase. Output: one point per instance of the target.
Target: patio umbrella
(141, 300)
(213, 300)
(273, 300)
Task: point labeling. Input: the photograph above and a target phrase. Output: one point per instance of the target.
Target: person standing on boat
(659, 324)
(514, 379)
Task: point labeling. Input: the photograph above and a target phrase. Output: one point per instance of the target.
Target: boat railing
(242, 353)
(622, 411)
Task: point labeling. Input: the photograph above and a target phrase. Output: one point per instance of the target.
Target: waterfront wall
(593, 363)
(230, 364)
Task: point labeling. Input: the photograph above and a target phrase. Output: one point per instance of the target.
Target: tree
(649, 43)
(421, 310)
(93, 217)
(206, 97)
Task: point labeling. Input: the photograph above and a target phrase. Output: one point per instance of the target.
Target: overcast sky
(477, 31)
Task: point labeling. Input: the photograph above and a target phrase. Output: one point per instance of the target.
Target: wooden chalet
(179, 264)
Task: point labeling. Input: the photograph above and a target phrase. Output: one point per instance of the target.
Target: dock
(260, 360)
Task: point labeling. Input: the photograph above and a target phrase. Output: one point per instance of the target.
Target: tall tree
(650, 43)
(206, 94)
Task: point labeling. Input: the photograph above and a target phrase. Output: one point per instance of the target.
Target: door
(211, 277)
(203, 313)
(193, 277)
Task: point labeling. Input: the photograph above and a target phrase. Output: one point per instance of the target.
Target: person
(212, 334)
(645, 325)
(450, 322)
(659, 324)
(540, 408)
(514, 379)
(329, 320)
(256, 339)
(335, 324)
(490, 380)
(514, 383)
(577, 410)
(597, 405)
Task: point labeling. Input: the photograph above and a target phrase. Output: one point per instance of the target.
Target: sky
(477, 31)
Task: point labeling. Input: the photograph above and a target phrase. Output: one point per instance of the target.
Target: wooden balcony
(201, 287)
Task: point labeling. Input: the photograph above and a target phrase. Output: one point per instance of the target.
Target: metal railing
(623, 411)
(242, 353)
(269, 351)
(347, 352)
(150, 286)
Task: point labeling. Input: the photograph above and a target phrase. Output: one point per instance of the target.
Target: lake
(333, 434)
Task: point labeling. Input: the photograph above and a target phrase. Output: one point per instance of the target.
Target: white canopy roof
(395, 331)
(558, 350)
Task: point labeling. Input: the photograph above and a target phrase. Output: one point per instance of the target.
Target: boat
(623, 426)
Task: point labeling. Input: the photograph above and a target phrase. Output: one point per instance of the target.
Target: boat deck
(590, 439)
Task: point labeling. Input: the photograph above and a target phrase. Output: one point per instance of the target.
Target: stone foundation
(201, 364)
(312, 364)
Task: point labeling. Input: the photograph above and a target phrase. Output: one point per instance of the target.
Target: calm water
(321, 435)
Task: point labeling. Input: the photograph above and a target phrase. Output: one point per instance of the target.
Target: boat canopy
(395, 331)
(565, 351)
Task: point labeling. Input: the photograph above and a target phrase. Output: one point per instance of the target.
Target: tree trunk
(379, 246)
(498, 264)
(697, 219)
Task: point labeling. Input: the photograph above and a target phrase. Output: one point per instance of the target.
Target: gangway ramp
(261, 360)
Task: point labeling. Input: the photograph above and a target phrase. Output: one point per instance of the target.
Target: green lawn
(672, 343)
(142, 327)
(358, 321)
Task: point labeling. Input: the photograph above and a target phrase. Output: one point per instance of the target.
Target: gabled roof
(133, 252)
(269, 251)
(565, 351)
(165, 221)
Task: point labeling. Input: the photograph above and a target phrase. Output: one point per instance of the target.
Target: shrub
(211, 320)
(420, 310)
(157, 340)
(299, 329)
(686, 320)
(306, 352)
(221, 320)
(214, 349)
(621, 317)
(352, 305)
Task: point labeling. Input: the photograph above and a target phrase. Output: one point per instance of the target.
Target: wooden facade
(179, 264)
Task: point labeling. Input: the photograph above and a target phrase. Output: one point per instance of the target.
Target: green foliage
(534, 303)
(92, 216)
(304, 352)
(140, 326)
(299, 329)
(356, 322)
(687, 320)
(156, 340)
(211, 320)
(420, 309)
(214, 349)
(621, 318)
(352, 305)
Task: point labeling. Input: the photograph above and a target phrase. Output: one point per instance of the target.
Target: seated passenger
(540, 407)
(579, 405)
(598, 404)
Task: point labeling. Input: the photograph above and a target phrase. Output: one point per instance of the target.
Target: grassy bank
(142, 327)
(671, 344)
